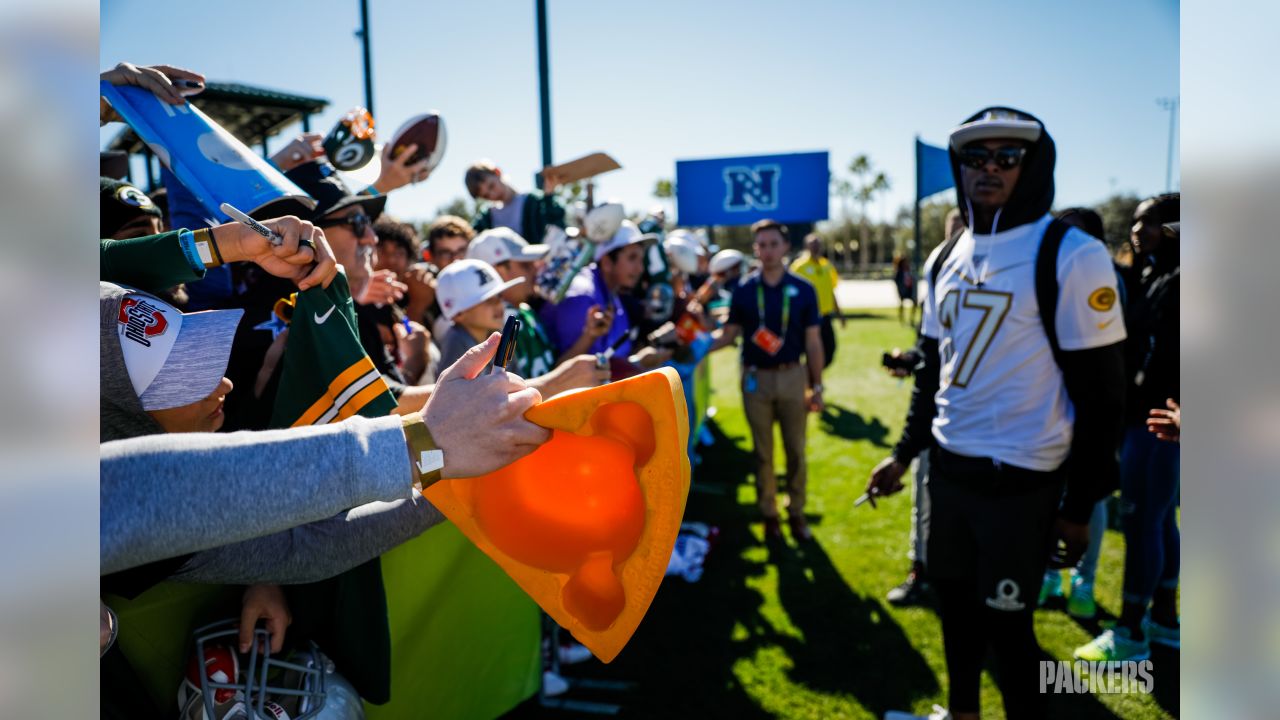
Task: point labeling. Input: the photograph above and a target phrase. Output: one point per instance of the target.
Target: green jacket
(151, 263)
(539, 211)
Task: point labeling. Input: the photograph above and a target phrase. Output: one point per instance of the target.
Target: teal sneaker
(1114, 645)
(1081, 603)
(1051, 587)
(939, 713)
(1160, 635)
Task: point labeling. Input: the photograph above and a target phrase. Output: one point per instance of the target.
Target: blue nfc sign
(742, 190)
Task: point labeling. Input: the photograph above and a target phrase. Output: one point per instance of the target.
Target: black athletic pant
(991, 528)
(828, 333)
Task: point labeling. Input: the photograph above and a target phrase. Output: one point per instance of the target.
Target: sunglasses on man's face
(359, 223)
(1007, 157)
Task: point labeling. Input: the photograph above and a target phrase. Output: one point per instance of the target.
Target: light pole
(544, 83)
(363, 34)
(1170, 104)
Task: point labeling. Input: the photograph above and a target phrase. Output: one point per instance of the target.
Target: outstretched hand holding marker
(286, 247)
(478, 419)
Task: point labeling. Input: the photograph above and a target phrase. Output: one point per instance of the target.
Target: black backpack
(1046, 278)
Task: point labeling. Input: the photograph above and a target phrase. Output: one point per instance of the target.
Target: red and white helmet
(222, 684)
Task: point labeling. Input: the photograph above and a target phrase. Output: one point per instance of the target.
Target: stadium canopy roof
(250, 113)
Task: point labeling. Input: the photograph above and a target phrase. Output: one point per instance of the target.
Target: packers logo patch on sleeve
(1102, 299)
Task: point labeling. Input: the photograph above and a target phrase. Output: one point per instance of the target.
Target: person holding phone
(470, 292)
(777, 312)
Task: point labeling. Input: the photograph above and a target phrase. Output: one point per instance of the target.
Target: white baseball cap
(994, 124)
(173, 358)
(467, 283)
(726, 260)
(627, 234)
(502, 244)
(683, 251)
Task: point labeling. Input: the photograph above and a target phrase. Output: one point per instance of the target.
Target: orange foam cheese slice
(586, 523)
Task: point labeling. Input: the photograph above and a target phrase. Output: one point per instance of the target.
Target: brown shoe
(800, 529)
(772, 528)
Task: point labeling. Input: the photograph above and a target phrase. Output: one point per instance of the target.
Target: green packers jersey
(327, 375)
(534, 353)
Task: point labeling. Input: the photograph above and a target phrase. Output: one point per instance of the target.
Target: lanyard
(786, 306)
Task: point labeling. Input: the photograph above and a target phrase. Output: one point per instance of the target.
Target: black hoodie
(1032, 197)
(1094, 378)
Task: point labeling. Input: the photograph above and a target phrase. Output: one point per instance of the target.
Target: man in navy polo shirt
(776, 312)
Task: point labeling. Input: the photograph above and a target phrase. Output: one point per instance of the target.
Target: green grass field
(804, 631)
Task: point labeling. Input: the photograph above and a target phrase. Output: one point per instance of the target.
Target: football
(427, 132)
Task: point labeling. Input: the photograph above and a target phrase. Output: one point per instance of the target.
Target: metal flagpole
(916, 258)
(1170, 104)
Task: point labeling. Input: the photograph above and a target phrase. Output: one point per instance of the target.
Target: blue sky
(656, 81)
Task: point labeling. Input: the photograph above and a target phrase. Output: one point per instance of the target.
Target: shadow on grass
(698, 652)
(1166, 676)
(844, 423)
(850, 642)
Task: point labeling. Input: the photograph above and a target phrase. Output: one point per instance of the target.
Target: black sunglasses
(358, 223)
(1007, 157)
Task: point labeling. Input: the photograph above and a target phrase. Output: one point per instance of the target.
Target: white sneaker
(939, 713)
(553, 684)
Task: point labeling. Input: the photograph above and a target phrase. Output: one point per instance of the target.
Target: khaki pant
(779, 396)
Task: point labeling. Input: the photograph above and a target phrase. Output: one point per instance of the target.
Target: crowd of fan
(426, 313)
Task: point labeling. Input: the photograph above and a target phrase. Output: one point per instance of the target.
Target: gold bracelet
(207, 247)
(426, 457)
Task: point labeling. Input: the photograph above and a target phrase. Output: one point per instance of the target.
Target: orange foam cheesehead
(586, 523)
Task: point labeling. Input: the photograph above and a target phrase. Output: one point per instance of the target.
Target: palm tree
(866, 186)
(843, 189)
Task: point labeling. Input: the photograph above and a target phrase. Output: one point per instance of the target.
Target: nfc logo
(751, 188)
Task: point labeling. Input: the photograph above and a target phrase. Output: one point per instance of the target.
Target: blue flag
(933, 170)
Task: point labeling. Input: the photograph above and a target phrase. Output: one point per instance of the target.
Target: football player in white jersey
(1017, 403)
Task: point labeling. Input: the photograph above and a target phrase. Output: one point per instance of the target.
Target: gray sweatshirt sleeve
(315, 551)
(167, 495)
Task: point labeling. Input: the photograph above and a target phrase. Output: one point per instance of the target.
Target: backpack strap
(936, 268)
(1047, 283)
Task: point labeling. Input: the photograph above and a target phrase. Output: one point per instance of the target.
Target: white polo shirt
(1001, 393)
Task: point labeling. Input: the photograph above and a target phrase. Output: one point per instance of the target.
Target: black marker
(187, 87)
(507, 345)
(602, 358)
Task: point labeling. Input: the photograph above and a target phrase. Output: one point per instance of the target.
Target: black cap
(320, 180)
(120, 204)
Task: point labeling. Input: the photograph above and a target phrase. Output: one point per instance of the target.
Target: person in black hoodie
(1150, 477)
(1018, 398)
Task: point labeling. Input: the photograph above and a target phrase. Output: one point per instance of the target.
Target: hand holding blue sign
(159, 79)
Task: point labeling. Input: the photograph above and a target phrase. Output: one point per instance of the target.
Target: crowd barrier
(465, 640)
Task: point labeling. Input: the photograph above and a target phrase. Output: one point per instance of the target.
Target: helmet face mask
(228, 685)
(659, 302)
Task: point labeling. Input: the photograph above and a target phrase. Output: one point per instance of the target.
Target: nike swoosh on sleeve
(1103, 325)
(321, 318)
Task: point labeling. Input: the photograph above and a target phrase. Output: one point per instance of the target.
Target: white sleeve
(1089, 314)
(929, 326)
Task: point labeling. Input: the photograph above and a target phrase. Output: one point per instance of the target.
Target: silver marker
(258, 227)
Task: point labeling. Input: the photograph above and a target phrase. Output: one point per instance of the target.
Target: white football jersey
(1001, 393)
